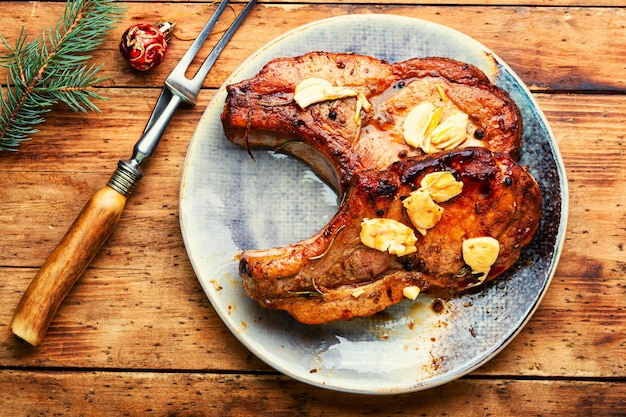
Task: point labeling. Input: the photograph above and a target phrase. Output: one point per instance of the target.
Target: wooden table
(137, 335)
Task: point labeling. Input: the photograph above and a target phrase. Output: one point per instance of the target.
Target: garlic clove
(418, 122)
(411, 292)
(441, 186)
(451, 132)
(388, 235)
(316, 90)
(423, 212)
(480, 253)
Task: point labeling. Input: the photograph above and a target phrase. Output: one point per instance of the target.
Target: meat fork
(101, 214)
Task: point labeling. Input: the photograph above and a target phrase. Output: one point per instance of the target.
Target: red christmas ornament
(144, 45)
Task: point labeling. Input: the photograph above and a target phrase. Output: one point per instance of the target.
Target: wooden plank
(151, 319)
(188, 394)
(36, 216)
(138, 276)
(586, 127)
(137, 335)
(94, 142)
(128, 320)
(52, 176)
(555, 55)
(111, 312)
(578, 331)
(545, 3)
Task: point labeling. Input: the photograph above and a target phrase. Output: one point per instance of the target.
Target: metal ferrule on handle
(125, 178)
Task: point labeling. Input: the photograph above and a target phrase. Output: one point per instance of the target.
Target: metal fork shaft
(177, 81)
(146, 145)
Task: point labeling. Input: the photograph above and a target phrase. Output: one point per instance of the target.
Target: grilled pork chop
(339, 137)
(334, 275)
(377, 131)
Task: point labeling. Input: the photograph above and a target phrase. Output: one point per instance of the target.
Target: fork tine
(217, 49)
(187, 88)
(191, 53)
(176, 79)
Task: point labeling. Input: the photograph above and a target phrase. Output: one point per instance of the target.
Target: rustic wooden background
(137, 336)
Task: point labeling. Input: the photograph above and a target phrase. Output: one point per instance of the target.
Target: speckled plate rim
(195, 245)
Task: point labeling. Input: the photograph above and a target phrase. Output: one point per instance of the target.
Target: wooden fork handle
(66, 264)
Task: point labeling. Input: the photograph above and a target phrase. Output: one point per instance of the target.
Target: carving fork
(101, 214)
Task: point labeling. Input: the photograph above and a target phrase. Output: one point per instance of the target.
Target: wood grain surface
(137, 335)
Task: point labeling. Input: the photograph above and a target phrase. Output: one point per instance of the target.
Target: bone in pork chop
(367, 130)
(334, 275)
(424, 152)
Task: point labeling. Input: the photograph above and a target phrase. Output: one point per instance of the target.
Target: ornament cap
(166, 28)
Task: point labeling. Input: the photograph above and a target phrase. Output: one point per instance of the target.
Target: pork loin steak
(424, 152)
(334, 275)
(383, 106)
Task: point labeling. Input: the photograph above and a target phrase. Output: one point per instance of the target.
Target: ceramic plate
(229, 202)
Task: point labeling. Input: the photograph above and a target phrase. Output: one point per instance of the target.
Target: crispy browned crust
(317, 280)
(332, 275)
(470, 89)
(260, 111)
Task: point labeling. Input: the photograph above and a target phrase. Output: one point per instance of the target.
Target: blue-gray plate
(230, 202)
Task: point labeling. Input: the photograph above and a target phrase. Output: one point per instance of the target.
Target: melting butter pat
(480, 253)
(411, 292)
(388, 235)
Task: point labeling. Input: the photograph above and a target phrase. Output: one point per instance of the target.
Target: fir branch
(52, 69)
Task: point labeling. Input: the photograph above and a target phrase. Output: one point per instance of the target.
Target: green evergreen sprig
(52, 69)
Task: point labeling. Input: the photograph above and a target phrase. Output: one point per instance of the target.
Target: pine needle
(52, 69)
